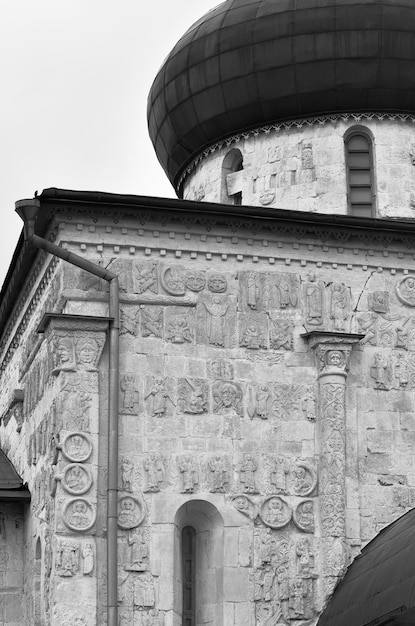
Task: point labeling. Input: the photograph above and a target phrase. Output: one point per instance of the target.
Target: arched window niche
(232, 173)
(358, 142)
(198, 565)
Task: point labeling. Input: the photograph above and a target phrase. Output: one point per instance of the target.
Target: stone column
(74, 345)
(332, 353)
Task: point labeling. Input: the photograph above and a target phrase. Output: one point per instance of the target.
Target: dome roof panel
(275, 59)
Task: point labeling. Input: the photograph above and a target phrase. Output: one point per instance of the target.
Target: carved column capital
(332, 351)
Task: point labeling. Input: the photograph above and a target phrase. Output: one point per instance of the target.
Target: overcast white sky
(75, 75)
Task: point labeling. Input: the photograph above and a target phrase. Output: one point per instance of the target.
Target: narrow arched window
(232, 178)
(188, 575)
(359, 162)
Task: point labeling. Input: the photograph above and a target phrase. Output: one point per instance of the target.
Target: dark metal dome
(248, 63)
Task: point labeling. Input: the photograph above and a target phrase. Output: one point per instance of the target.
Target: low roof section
(378, 588)
(11, 485)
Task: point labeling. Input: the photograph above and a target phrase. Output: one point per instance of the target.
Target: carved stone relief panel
(339, 307)
(123, 269)
(405, 290)
(284, 291)
(253, 331)
(145, 277)
(259, 402)
(304, 478)
(136, 558)
(216, 321)
(76, 479)
(245, 505)
(131, 512)
(220, 369)
(79, 515)
(152, 321)
(192, 395)
(129, 394)
(153, 617)
(77, 447)
(247, 474)
(189, 473)
(303, 516)
(159, 396)
(280, 333)
(278, 469)
(155, 469)
(219, 471)
(378, 301)
(252, 291)
(275, 512)
(195, 280)
(126, 474)
(88, 559)
(227, 397)
(217, 283)
(129, 319)
(172, 280)
(381, 371)
(179, 325)
(67, 558)
(313, 295)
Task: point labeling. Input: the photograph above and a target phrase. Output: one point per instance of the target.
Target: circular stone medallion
(79, 515)
(275, 512)
(77, 447)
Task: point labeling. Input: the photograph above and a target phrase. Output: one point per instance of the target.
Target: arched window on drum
(360, 173)
(232, 178)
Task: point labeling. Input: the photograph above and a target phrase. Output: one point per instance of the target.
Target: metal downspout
(27, 210)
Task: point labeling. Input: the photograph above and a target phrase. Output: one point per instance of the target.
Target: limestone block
(244, 614)
(231, 541)
(236, 584)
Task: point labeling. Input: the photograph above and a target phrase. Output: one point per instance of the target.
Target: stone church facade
(265, 413)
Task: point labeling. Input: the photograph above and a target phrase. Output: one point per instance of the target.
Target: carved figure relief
(77, 447)
(381, 371)
(247, 473)
(152, 321)
(405, 290)
(79, 515)
(130, 512)
(153, 618)
(269, 614)
(378, 301)
(401, 370)
(217, 283)
(173, 280)
(278, 474)
(253, 332)
(275, 512)
(192, 395)
(286, 290)
(87, 350)
(339, 306)
(219, 474)
(128, 321)
(259, 402)
(129, 394)
(195, 280)
(179, 327)
(137, 541)
(67, 558)
(227, 397)
(305, 558)
(76, 401)
(304, 479)
(126, 474)
(145, 277)
(313, 293)
(189, 473)
(252, 291)
(154, 472)
(87, 559)
(144, 595)
(65, 355)
(304, 516)
(245, 506)
(280, 334)
(76, 479)
(220, 369)
(158, 395)
(215, 320)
